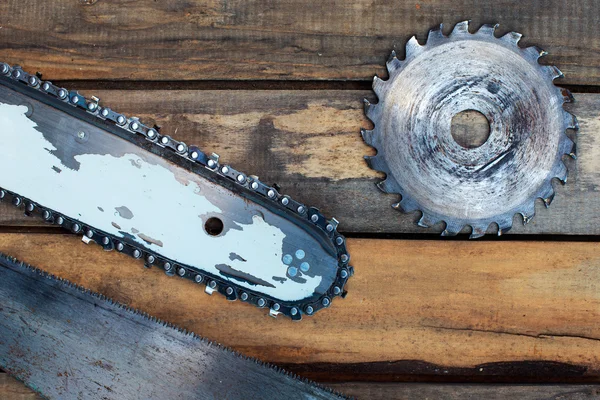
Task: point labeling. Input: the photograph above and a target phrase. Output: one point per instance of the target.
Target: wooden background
(276, 88)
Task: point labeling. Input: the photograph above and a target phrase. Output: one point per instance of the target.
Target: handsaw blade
(69, 343)
(127, 187)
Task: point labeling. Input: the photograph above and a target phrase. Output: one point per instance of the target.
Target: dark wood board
(309, 142)
(271, 40)
(11, 389)
(418, 391)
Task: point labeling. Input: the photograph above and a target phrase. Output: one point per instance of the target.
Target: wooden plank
(309, 142)
(422, 391)
(261, 39)
(11, 389)
(473, 309)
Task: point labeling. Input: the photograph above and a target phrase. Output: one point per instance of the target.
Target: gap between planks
(249, 85)
(56, 230)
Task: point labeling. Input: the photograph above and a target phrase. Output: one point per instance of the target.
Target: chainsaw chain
(212, 283)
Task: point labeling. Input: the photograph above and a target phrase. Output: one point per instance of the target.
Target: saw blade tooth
(413, 48)
(561, 172)
(378, 85)
(488, 29)
(435, 34)
(369, 109)
(547, 194)
(478, 231)
(570, 121)
(533, 53)
(406, 205)
(573, 152)
(393, 63)
(376, 163)
(392, 56)
(569, 147)
(566, 94)
(372, 112)
(512, 38)
(504, 225)
(528, 213)
(425, 221)
(367, 135)
(461, 28)
(389, 184)
(385, 186)
(452, 229)
(552, 72)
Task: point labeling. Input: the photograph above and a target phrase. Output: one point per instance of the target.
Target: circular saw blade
(463, 186)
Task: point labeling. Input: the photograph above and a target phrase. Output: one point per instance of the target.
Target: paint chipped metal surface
(127, 187)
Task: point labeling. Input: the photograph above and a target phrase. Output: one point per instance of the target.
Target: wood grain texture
(416, 391)
(419, 307)
(309, 142)
(12, 389)
(262, 39)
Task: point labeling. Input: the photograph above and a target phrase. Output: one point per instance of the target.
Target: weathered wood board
(11, 389)
(470, 308)
(420, 391)
(309, 142)
(261, 39)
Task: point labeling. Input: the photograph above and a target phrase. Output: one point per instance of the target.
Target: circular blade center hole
(213, 226)
(470, 129)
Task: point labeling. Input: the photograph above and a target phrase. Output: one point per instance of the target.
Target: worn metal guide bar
(125, 186)
(70, 343)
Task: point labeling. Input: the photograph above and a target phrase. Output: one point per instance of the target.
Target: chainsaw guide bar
(125, 186)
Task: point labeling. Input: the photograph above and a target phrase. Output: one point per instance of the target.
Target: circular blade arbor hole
(470, 129)
(213, 226)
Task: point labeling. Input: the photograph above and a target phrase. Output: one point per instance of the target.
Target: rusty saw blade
(479, 186)
(67, 342)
